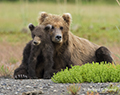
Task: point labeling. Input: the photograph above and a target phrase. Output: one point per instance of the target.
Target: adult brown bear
(71, 49)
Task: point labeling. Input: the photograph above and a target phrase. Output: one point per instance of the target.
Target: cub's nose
(58, 37)
(36, 42)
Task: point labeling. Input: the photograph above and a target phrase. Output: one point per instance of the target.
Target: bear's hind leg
(103, 55)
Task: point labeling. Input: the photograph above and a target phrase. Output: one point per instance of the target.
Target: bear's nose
(35, 43)
(58, 37)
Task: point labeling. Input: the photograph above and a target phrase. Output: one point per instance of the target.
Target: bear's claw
(21, 76)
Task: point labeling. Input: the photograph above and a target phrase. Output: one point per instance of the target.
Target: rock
(54, 90)
(33, 92)
(16, 93)
(37, 86)
(28, 86)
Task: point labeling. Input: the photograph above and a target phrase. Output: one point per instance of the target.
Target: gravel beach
(47, 87)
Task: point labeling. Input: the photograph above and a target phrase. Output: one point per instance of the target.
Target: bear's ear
(31, 27)
(48, 27)
(42, 17)
(67, 17)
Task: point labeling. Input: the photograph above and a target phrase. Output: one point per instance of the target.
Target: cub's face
(39, 33)
(60, 26)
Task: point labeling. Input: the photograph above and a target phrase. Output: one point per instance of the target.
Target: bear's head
(39, 33)
(60, 26)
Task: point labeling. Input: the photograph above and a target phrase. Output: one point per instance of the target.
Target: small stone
(54, 90)
(19, 89)
(51, 86)
(89, 89)
(28, 86)
(61, 86)
(35, 87)
(84, 89)
(90, 86)
(48, 84)
(33, 92)
(41, 87)
(16, 93)
(8, 88)
(4, 84)
(63, 90)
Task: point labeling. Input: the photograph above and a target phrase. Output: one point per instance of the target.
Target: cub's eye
(61, 28)
(33, 35)
(52, 27)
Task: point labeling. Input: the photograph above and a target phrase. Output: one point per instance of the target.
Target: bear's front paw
(21, 76)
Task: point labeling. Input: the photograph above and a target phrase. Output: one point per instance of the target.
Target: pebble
(51, 86)
(28, 86)
(61, 85)
(63, 90)
(20, 87)
(8, 88)
(16, 93)
(40, 87)
(90, 86)
(54, 90)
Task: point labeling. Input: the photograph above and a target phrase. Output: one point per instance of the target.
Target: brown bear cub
(41, 45)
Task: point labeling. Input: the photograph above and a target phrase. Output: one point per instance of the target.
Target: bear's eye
(61, 28)
(52, 27)
(47, 28)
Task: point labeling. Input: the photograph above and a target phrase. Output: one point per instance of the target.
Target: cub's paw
(21, 76)
(20, 73)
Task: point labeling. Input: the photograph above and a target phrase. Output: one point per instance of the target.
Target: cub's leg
(35, 51)
(21, 71)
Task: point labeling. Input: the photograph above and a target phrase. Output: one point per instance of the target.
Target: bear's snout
(36, 41)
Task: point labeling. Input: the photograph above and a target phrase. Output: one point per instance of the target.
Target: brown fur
(68, 48)
(72, 50)
(37, 55)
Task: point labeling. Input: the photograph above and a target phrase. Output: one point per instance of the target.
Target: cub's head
(39, 33)
(60, 25)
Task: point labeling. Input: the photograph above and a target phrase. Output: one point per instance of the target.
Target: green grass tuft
(73, 89)
(5, 71)
(89, 73)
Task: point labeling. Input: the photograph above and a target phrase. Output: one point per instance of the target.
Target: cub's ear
(42, 17)
(67, 17)
(31, 27)
(48, 27)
